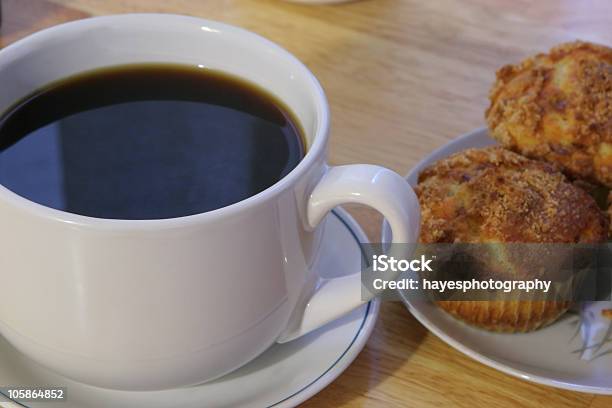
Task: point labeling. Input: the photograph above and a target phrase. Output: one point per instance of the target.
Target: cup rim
(315, 150)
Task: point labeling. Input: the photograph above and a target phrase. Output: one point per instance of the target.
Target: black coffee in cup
(147, 141)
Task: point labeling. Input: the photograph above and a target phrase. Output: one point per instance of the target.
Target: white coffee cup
(156, 304)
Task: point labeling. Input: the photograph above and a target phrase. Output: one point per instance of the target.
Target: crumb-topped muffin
(558, 107)
(492, 195)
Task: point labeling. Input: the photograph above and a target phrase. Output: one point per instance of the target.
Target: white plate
(554, 356)
(284, 376)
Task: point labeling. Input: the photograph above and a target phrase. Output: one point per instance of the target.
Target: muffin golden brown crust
(494, 195)
(558, 107)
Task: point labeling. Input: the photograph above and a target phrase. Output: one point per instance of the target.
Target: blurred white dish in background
(320, 2)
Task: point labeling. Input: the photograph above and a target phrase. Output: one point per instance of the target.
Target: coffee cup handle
(376, 187)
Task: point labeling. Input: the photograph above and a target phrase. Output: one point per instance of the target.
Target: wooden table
(402, 77)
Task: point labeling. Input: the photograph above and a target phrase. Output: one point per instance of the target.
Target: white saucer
(284, 376)
(574, 353)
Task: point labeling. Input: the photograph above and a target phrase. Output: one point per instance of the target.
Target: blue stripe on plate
(365, 317)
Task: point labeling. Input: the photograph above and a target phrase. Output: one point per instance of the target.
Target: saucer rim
(344, 360)
(361, 336)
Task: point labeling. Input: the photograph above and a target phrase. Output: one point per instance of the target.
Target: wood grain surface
(403, 77)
